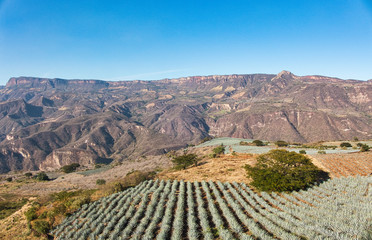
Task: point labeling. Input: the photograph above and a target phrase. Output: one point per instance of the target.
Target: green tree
(364, 148)
(42, 176)
(281, 143)
(345, 144)
(258, 143)
(28, 174)
(31, 214)
(41, 227)
(219, 150)
(101, 182)
(281, 170)
(185, 160)
(302, 151)
(70, 168)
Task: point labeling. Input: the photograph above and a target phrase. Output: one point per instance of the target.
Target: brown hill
(47, 123)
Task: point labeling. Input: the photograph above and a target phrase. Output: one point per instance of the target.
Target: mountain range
(47, 123)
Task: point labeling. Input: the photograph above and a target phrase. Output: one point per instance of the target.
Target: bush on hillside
(345, 144)
(206, 139)
(219, 150)
(185, 160)
(302, 151)
(364, 148)
(28, 174)
(281, 170)
(258, 143)
(281, 143)
(41, 227)
(42, 176)
(70, 168)
(101, 182)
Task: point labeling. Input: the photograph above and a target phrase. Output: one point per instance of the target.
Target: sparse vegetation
(281, 170)
(9, 207)
(302, 151)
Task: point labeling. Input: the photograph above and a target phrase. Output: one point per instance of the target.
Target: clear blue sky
(135, 39)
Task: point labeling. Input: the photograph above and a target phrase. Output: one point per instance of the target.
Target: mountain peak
(285, 73)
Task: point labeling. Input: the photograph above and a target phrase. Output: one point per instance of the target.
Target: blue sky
(123, 40)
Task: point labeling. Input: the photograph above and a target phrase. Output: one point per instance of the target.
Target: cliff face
(48, 123)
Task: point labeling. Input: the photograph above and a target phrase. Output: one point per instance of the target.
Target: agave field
(340, 208)
(233, 144)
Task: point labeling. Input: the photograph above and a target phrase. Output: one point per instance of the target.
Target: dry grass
(350, 164)
(15, 226)
(227, 168)
(74, 181)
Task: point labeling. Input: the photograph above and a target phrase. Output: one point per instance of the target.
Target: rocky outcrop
(48, 123)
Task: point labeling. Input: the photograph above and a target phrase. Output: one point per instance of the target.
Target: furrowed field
(337, 209)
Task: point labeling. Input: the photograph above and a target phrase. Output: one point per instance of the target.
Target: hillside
(48, 123)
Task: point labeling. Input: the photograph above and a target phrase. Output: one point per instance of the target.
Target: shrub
(258, 143)
(219, 150)
(359, 144)
(302, 151)
(101, 182)
(31, 214)
(70, 168)
(9, 179)
(243, 143)
(281, 143)
(41, 227)
(281, 170)
(206, 139)
(42, 176)
(345, 144)
(364, 148)
(321, 152)
(185, 160)
(28, 174)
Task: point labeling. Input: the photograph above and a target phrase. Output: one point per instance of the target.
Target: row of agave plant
(336, 209)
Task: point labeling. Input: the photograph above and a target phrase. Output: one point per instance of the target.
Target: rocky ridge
(47, 123)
